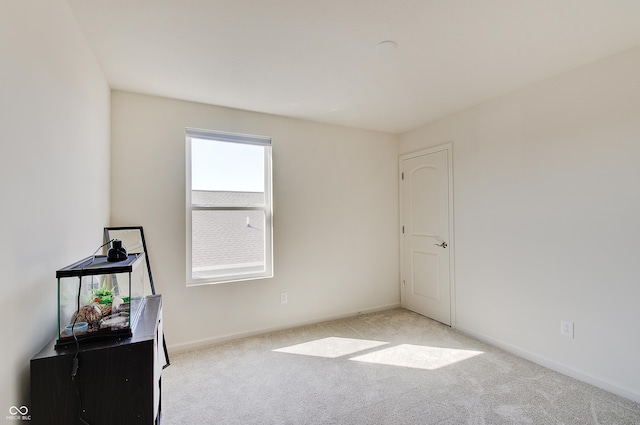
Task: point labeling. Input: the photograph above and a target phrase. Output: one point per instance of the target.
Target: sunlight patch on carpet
(331, 347)
(417, 356)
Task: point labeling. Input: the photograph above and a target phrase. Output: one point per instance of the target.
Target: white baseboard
(205, 342)
(558, 367)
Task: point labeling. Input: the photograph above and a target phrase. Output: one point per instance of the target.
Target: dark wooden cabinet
(118, 381)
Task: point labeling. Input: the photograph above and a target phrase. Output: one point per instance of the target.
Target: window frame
(234, 274)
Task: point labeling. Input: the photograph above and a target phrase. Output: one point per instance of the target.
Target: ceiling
(317, 59)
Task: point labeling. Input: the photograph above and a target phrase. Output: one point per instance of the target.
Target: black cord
(75, 366)
(96, 251)
(74, 369)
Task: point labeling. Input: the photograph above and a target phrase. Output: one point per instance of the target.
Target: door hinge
(403, 176)
(402, 229)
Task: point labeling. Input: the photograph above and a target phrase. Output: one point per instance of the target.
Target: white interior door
(427, 233)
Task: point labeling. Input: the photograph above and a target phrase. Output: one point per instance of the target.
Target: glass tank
(98, 298)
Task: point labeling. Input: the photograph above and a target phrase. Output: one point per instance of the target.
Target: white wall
(547, 219)
(335, 218)
(54, 174)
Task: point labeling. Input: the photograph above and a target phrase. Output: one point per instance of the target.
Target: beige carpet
(394, 367)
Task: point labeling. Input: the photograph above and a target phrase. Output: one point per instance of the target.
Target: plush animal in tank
(90, 314)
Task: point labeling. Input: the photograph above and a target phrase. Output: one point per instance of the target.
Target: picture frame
(132, 238)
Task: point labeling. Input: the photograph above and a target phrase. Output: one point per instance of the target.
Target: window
(229, 228)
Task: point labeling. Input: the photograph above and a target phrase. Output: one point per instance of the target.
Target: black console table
(117, 380)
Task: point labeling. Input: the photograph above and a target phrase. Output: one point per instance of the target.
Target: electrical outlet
(284, 298)
(566, 328)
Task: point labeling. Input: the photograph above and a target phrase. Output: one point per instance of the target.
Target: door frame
(448, 147)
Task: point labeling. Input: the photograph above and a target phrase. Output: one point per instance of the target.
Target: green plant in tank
(103, 295)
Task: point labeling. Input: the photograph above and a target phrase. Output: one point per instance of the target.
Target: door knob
(441, 245)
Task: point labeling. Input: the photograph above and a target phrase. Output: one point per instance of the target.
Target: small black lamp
(117, 252)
